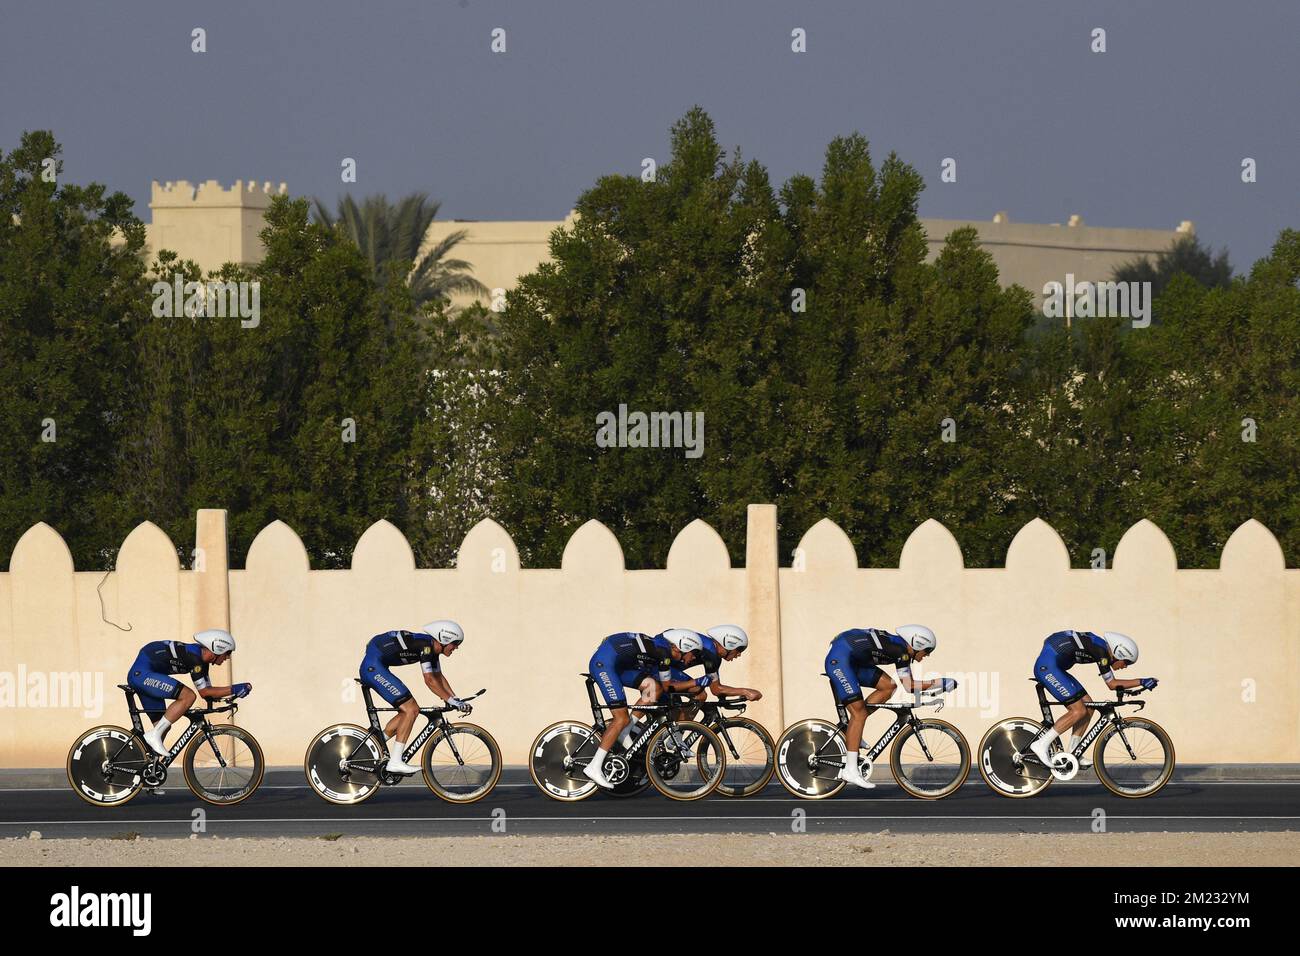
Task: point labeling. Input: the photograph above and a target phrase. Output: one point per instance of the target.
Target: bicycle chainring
(616, 769)
(154, 774)
(1065, 766)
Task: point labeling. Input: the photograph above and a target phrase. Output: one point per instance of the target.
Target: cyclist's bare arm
(1116, 683)
(686, 686)
(211, 693)
(437, 683)
(722, 690)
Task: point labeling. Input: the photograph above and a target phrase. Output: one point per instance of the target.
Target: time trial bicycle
(930, 758)
(682, 759)
(347, 764)
(109, 766)
(1134, 757)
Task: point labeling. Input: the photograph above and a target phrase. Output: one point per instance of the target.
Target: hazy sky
(1150, 133)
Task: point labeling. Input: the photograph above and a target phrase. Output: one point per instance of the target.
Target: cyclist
(1111, 651)
(151, 677)
(394, 648)
(633, 659)
(854, 662)
(725, 642)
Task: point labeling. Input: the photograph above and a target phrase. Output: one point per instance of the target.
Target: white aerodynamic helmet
(216, 640)
(444, 632)
(684, 639)
(1122, 647)
(918, 637)
(732, 637)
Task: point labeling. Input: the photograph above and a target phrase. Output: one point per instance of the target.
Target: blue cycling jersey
(173, 657)
(625, 660)
(394, 648)
(709, 657)
(1079, 647)
(632, 651)
(1061, 651)
(871, 647)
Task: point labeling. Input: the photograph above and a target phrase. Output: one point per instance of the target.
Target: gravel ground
(870, 849)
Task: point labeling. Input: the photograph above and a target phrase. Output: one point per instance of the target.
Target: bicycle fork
(216, 751)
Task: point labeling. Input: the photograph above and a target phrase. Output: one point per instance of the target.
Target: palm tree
(388, 233)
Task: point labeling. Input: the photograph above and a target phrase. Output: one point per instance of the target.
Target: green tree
(303, 416)
(71, 290)
(1185, 257)
(680, 294)
(664, 296)
(1220, 395)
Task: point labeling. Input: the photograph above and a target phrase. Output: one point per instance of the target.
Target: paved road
(285, 806)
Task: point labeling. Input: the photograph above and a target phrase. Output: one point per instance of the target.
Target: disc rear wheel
(557, 758)
(105, 765)
(809, 758)
(998, 766)
(343, 763)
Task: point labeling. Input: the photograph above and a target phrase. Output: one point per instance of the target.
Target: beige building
(213, 225)
(208, 223)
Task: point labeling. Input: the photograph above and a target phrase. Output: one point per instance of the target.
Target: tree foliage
(839, 371)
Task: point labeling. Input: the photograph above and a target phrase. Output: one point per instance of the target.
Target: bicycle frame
(1108, 716)
(903, 717)
(198, 724)
(598, 719)
(435, 718)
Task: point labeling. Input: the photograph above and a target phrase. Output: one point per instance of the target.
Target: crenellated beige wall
(1224, 642)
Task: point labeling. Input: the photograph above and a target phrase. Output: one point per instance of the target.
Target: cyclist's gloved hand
(459, 704)
(1149, 683)
(241, 690)
(947, 685)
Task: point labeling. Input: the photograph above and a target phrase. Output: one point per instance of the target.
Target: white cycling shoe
(852, 773)
(597, 776)
(1040, 750)
(154, 740)
(397, 765)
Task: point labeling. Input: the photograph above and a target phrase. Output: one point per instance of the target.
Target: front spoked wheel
(224, 766)
(1134, 758)
(343, 763)
(557, 757)
(809, 758)
(105, 766)
(930, 759)
(685, 760)
(751, 757)
(1000, 766)
(462, 763)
